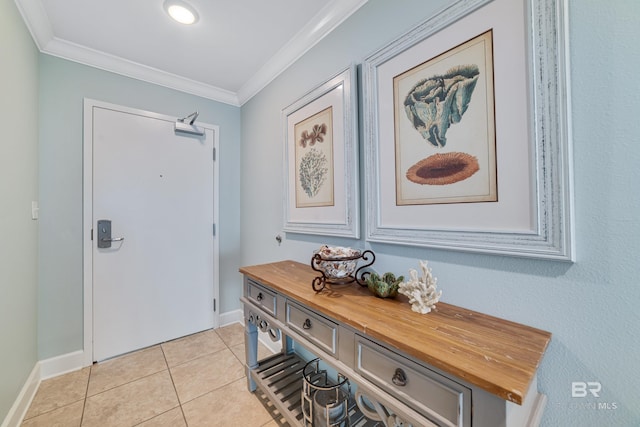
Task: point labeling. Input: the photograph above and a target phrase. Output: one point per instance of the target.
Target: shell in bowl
(336, 262)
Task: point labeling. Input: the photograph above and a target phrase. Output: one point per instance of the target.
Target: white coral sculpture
(421, 291)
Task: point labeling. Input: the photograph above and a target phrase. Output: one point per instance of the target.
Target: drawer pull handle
(259, 297)
(306, 324)
(399, 378)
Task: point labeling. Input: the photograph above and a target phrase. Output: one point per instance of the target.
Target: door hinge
(214, 154)
(214, 304)
(214, 229)
(92, 234)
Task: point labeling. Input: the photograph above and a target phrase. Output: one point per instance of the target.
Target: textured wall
(589, 306)
(18, 187)
(63, 85)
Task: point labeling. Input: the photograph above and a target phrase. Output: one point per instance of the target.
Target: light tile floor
(195, 381)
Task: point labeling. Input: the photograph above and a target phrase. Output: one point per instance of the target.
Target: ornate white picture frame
(321, 159)
(532, 213)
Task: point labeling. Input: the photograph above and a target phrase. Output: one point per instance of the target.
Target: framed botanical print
(321, 159)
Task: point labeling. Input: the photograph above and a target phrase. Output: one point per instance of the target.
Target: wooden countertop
(494, 354)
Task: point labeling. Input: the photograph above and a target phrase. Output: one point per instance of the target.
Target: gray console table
(451, 367)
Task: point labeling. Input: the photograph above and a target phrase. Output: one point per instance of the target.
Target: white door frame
(87, 215)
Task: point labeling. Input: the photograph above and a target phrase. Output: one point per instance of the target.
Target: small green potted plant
(385, 286)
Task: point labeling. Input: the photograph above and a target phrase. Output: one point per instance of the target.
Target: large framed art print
(467, 136)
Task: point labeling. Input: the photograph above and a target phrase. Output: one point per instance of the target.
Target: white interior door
(157, 189)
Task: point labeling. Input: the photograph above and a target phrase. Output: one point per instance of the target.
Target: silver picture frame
(533, 214)
(321, 192)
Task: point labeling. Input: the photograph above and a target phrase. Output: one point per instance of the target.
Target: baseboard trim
(21, 405)
(274, 346)
(236, 316)
(538, 408)
(62, 364)
(231, 317)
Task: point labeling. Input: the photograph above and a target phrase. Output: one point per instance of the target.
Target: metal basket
(324, 404)
(340, 270)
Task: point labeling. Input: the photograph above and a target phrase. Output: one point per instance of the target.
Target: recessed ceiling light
(181, 11)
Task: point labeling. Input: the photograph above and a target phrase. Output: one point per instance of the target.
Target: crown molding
(37, 21)
(115, 64)
(332, 15)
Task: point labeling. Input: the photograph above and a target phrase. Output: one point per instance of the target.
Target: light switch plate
(34, 210)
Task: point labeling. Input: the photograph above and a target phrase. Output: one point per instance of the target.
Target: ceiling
(234, 50)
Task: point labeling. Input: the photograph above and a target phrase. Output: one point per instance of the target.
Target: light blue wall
(18, 187)
(63, 85)
(589, 306)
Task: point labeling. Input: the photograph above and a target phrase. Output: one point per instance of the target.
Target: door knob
(104, 234)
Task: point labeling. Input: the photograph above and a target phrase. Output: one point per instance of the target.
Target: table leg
(250, 351)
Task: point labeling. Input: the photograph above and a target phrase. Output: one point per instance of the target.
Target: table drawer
(262, 297)
(446, 402)
(317, 329)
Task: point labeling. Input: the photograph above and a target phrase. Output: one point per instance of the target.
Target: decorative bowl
(336, 263)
